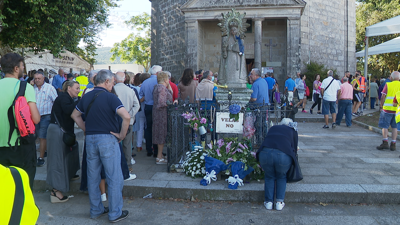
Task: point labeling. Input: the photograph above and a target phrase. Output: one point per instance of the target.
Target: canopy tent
(46, 60)
(386, 47)
(390, 26)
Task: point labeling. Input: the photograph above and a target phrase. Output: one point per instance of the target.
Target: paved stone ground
(340, 165)
(151, 211)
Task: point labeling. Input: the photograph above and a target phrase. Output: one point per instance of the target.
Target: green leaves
(137, 46)
(370, 12)
(53, 24)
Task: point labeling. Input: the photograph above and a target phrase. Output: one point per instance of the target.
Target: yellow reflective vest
(17, 202)
(392, 88)
(83, 82)
(398, 107)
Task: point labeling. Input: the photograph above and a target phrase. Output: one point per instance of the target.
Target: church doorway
(249, 65)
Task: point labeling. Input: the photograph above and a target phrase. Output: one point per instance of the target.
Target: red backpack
(25, 126)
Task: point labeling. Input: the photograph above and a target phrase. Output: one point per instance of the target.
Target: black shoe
(325, 127)
(76, 177)
(40, 162)
(123, 216)
(311, 111)
(106, 210)
(333, 125)
(149, 154)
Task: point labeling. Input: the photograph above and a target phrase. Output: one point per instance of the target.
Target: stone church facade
(284, 34)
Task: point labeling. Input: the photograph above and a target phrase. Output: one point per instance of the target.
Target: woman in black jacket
(63, 161)
(276, 155)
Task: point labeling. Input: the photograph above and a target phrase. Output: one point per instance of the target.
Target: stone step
(250, 192)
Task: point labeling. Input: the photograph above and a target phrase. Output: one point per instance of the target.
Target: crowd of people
(346, 97)
(113, 110)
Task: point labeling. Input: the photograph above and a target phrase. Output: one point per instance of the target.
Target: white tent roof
(390, 26)
(66, 61)
(386, 47)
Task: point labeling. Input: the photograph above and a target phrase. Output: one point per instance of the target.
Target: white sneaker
(144, 141)
(133, 161)
(279, 205)
(104, 197)
(268, 205)
(131, 177)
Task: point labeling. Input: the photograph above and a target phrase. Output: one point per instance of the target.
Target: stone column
(257, 42)
(192, 36)
(293, 46)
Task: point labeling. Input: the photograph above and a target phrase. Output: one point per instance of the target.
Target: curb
(372, 128)
(254, 192)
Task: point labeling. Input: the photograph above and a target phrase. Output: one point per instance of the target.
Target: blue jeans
(328, 106)
(344, 108)
(103, 149)
(41, 127)
(373, 99)
(275, 165)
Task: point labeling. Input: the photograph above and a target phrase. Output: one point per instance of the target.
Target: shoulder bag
(294, 174)
(68, 138)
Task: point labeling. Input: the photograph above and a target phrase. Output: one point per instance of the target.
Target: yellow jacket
(83, 82)
(17, 205)
(392, 88)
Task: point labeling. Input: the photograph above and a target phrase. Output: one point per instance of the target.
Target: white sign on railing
(228, 125)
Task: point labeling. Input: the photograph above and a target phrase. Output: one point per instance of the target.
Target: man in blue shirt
(260, 87)
(103, 134)
(290, 87)
(271, 86)
(58, 80)
(146, 96)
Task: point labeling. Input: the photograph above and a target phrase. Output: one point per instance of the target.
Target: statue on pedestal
(232, 68)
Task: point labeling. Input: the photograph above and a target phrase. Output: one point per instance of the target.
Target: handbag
(294, 174)
(307, 91)
(69, 139)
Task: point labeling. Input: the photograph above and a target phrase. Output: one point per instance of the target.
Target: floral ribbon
(210, 176)
(233, 180)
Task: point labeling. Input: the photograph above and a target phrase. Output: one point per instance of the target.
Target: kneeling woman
(276, 155)
(63, 161)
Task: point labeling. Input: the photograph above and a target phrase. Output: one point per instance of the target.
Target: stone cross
(270, 45)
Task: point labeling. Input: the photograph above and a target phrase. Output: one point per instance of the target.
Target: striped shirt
(45, 97)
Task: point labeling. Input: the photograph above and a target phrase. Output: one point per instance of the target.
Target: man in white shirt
(330, 90)
(46, 94)
(132, 105)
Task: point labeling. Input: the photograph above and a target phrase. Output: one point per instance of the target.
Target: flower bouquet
(234, 111)
(194, 165)
(196, 122)
(230, 150)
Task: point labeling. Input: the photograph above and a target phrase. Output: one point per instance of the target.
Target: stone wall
(168, 36)
(328, 34)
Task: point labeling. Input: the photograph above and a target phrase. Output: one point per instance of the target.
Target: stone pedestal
(239, 95)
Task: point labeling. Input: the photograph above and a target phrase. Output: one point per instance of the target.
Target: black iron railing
(181, 137)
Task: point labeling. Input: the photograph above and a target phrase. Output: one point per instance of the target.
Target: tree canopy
(137, 46)
(370, 12)
(53, 25)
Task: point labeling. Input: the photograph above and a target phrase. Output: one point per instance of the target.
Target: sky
(118, 30)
